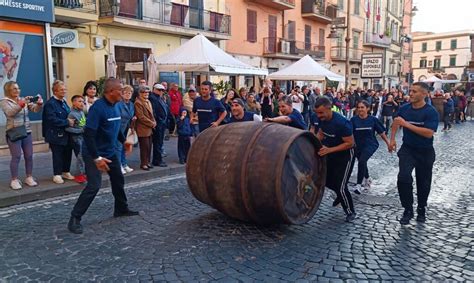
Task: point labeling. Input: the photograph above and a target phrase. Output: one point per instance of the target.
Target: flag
(367, 8)
(377, 16)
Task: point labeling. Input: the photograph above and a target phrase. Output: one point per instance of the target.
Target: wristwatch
(98, 159)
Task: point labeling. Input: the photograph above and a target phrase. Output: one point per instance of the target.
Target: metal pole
(348, 39)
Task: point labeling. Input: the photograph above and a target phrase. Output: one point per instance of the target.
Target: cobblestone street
(176, 238)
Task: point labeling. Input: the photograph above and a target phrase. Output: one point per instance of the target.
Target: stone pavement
(43, 170)
(178, 239)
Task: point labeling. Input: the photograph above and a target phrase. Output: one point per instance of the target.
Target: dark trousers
(457, 114)
(184, 143)
(363, 155)
(94, 182)
(157, 140)
(339, 169)
(422, 161)
(62, 155)
(145, 150)
(447, 120)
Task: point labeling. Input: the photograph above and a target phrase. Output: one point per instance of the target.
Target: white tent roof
(435, 79)
(201, 55)
(305, 69)
(432, 79)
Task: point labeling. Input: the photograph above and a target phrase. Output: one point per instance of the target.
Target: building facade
(375, 28)
(72, 40)
(25, 51)
(129, 31)
(273, 34)
(445, 55)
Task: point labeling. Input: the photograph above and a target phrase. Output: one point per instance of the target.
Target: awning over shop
(201, 55)
(305, 69)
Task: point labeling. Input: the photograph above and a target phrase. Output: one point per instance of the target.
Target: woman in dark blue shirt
(365, 127)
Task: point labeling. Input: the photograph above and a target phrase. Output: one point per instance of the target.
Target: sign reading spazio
(372, 65)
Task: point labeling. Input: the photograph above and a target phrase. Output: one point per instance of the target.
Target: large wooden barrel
(258, 172)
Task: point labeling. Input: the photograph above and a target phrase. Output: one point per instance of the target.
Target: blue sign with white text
(33, 10)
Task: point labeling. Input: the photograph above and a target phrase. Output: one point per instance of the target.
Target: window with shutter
(307, 37)
(272, 33)
(251, 26)
(291, 30)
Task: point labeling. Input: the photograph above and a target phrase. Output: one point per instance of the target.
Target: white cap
(159, 86)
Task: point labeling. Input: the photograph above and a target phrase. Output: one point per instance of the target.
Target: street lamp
(333, 34)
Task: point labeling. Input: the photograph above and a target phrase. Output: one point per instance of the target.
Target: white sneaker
(357, 189)
(68, 176)
(30, 182)
(123, 170)
(367, 182)
(58, 179)
(128, 169)
(15, 184)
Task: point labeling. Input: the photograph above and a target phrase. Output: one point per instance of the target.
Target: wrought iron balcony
(276, 4)
(171, 14)
(280, 47)
(76, 11)
(318, 10)
(376, 40)
(85, 6)
(338, 53)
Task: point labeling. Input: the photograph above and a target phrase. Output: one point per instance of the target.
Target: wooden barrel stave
(254, 172)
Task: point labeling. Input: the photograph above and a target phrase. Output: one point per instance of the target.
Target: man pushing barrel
(335, 133)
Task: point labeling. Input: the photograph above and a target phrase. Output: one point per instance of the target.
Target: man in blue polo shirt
(290, 117)
(419, 122)
(240, 115)
(209, 110)
(100, 135)
(335, 133)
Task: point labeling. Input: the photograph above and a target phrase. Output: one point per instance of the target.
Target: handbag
(132, 137)
(18, 133)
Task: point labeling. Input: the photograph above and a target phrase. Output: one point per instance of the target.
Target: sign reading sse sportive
(34, 10)
(372, 65)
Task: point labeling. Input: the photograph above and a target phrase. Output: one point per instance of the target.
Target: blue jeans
(77, 141)
(121, 154)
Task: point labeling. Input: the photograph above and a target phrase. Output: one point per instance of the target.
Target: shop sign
(33, 10)
(65, 38)
(372, 65)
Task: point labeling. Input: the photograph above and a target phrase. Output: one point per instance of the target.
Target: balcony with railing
(166, 17)
(283, 48)
(338, 53)
(318, 10)
(276, 4)
(376, 40)
(76, 11)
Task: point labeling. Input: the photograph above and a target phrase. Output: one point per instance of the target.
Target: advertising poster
(22, 59)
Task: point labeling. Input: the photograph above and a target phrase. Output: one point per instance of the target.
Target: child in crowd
(184, 135)
(77, 121)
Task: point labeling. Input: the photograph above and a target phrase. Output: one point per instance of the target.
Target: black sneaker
(336, 202)
(126, 213)
(162, 164)
(74, 225)
(421, 215)
(351, 217)
(407, 216)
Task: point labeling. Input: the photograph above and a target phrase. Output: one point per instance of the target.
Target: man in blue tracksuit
(419, 122)
(335, 133)
(100, 155)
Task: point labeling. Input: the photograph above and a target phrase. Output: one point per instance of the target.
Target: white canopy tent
(438, 83)
(201, 55)
(305, 69)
